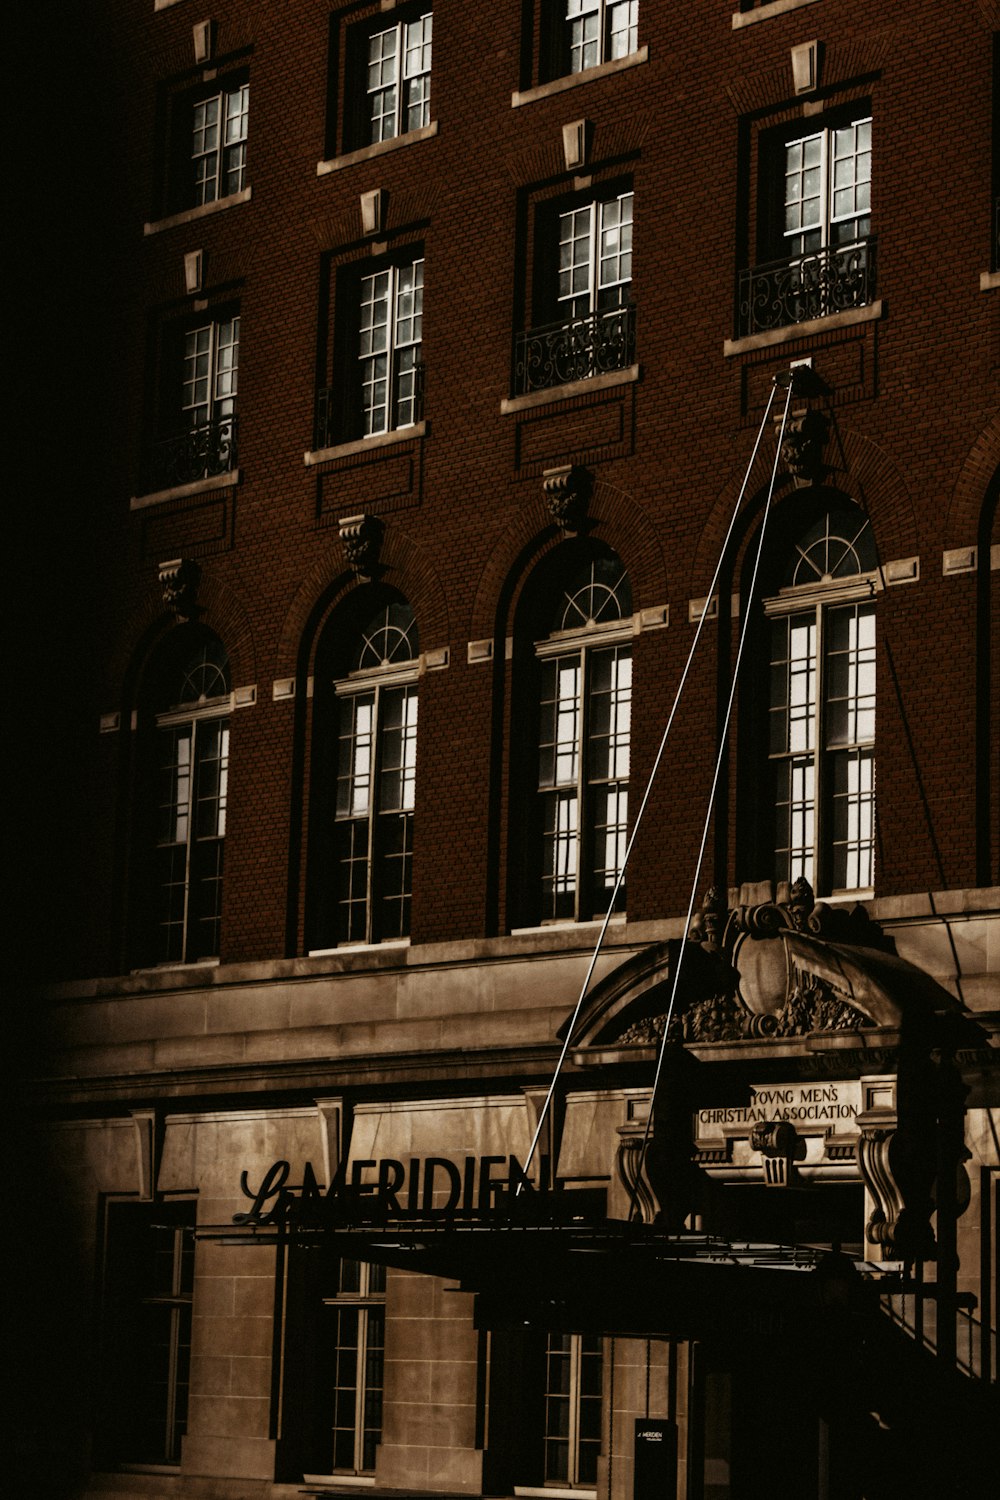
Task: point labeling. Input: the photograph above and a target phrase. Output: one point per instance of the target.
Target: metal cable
(747, 611)
(649, 784)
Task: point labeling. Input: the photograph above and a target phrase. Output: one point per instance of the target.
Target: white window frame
(183, 807)
(595, 256)
(398, 97)
(827, 197)
(219, 143)
(569, 833)
(810, 752)
(568, 1435)
(210, 371)
(390, 317)
(595, 30)
(368, 1302)
(359, 794)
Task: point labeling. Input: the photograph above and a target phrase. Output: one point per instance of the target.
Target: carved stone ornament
(756, 977)
(803, 444)
(361, 537)
(179, 580)
(567, 490)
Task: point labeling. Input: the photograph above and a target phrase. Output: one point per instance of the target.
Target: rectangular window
(194, 768)
(398, 78)
(199, 381)
(573, 1394)
(588, 265)
(355, 1340)
(391, 323)
(146, 1330)
(814, 227)
(583, 778)
(822, 736)
(599, 30)
(219, 143)
(376, 781)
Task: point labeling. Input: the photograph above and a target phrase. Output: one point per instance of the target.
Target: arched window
(821, 706)
(191, 701)
(584, 693)
(362, 843)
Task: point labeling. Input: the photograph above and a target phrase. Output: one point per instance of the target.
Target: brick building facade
(537, 365)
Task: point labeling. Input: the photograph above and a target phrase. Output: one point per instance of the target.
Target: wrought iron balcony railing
(337, 420)
(825, 281)
(574, 350)
(196, 454)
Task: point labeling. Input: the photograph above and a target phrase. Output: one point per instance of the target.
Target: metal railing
(975, 1344)
(205, 450)
(575, 350)
(829, 280)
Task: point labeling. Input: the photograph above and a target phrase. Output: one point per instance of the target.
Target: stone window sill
(192, 215)
(765, 12)
(367, 153)
(182, 491)
(989, 281)
(367, 444)
(573, 80)
(805, 330)
(573, 388)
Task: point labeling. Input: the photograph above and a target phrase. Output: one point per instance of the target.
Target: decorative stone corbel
(636, 1169)
(899, 1180)
(776, 1140)
(567, 491)
(361, 538)
(179, 580)
(802, 446)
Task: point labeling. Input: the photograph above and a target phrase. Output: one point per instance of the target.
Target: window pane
(795, 819)
(793, 683)
(623, 27)
(355, 752)
(850, 674)
(853, 817)
(559, 854)
(398, 749)
(560, 722)
(610, 713)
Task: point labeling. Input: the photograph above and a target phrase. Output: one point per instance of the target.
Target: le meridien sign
(365, 1190)
(823, 1105)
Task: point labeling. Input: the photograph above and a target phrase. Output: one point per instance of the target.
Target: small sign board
(655, 1459)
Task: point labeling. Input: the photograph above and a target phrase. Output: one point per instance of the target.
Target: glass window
(146, 1330)
(192, 740)
(356, 1340)
(595, 256)
(391, 323)
(599, 30)
(198, 387)
(364, 877)
(219, 143)
(398, 78)
(573, 1393)
(822, 710)
(828, 178)
(583, 743)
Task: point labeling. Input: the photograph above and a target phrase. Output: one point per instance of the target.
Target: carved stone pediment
(779, 967)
